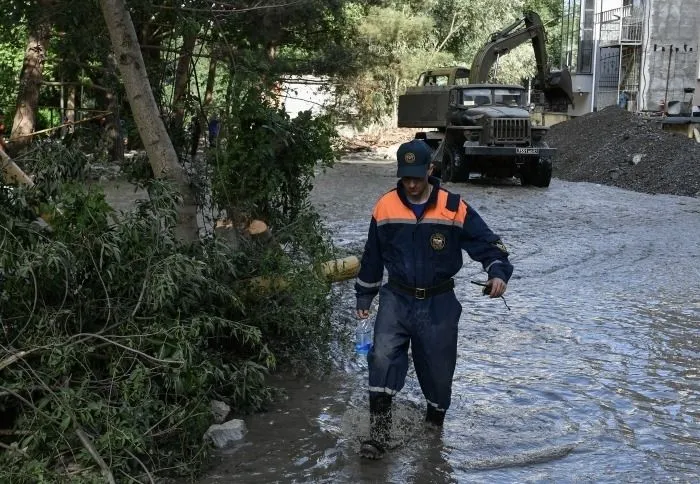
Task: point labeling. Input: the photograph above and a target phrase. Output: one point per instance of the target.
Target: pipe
(596, 48)
(668, 78)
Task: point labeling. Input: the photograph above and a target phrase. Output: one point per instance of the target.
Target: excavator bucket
(558, 91)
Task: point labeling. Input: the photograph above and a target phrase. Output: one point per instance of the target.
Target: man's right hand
(362, 313)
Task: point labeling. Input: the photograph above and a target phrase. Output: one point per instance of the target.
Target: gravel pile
(622, 149)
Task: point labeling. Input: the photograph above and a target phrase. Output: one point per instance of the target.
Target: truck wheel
(450, 172)
(447, 167)
(542, 173)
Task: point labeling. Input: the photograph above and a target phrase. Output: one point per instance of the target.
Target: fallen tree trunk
(12, 172)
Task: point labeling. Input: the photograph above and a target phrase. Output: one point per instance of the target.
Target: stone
(222, 435)
(637, 158)
(40, 225)
(220, 411)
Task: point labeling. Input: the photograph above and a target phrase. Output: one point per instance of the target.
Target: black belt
(422, 292)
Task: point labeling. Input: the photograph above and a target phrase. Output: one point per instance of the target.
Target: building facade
(643, 55)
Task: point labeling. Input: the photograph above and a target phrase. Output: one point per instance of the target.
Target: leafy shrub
(115, 336)
(266, 166)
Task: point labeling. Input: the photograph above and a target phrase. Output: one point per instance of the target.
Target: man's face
(414, 186)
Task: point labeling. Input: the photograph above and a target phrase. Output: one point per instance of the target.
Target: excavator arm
(555, 85)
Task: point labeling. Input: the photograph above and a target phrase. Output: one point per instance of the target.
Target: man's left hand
(497, 286)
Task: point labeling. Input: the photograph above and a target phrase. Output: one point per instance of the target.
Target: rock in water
(221, 435)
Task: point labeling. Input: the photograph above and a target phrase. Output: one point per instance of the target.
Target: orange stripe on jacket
(390, 209)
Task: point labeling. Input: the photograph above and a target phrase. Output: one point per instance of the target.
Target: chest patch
(438, 241)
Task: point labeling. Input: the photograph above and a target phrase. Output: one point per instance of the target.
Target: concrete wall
(673, 26)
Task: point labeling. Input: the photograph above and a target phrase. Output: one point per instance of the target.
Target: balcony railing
(621, 25)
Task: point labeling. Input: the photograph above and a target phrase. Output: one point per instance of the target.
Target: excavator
(482, 127)
(556, 84)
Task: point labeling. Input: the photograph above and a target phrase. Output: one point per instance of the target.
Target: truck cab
(446, 76)
(477, 126)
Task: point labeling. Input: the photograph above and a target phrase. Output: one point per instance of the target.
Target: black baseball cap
(414, 158)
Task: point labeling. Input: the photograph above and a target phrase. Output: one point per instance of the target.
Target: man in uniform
(418, 231)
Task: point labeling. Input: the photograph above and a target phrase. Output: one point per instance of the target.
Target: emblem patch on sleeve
(438, 241)
(499, 243)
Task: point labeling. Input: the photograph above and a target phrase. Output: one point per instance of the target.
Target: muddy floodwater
(592, 376)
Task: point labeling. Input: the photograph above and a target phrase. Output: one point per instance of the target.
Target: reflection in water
(592, 377)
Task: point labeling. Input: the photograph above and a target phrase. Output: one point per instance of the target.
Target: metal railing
(621, 25)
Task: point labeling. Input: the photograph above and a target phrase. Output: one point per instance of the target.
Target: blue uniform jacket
(427, 251)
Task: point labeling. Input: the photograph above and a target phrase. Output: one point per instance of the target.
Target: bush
(265, 165)
(115, 336)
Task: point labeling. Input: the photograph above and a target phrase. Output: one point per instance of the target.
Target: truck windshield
(476, 97)
(509, 97)
(485, 96)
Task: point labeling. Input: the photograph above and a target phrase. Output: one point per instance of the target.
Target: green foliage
(402, 38)
(49, 175)
(113, 330)
(266, 167)
(263, 168)
(12, 42)
(397, 46)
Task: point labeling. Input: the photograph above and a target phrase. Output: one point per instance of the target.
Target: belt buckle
(420, 293)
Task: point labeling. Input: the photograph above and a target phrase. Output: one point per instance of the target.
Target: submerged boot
(434, 417)
(379, 427)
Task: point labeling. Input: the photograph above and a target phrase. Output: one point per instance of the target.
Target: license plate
(527, 151)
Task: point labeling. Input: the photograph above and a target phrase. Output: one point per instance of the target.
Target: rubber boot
(434, 416)
(379, 427)
(380, 418)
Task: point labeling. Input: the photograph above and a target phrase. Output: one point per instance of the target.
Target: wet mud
(591, 377)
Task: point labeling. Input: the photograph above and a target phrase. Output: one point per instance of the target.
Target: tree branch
(85, 440)
(453, 30)
(232, 8)
(14, 357)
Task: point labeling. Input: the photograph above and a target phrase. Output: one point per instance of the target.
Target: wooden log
(260, 232)
(257, 227)
(225, 230)
(256, 230)
(335, 270)
(341, 269)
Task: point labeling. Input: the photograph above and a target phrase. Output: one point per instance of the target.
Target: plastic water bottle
(363, 336)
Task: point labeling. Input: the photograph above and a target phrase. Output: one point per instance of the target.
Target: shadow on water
(592, 377)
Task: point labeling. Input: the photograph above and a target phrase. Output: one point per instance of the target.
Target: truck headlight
(538, 135)
(472, 134)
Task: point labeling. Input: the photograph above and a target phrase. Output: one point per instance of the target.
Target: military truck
(480, 127)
